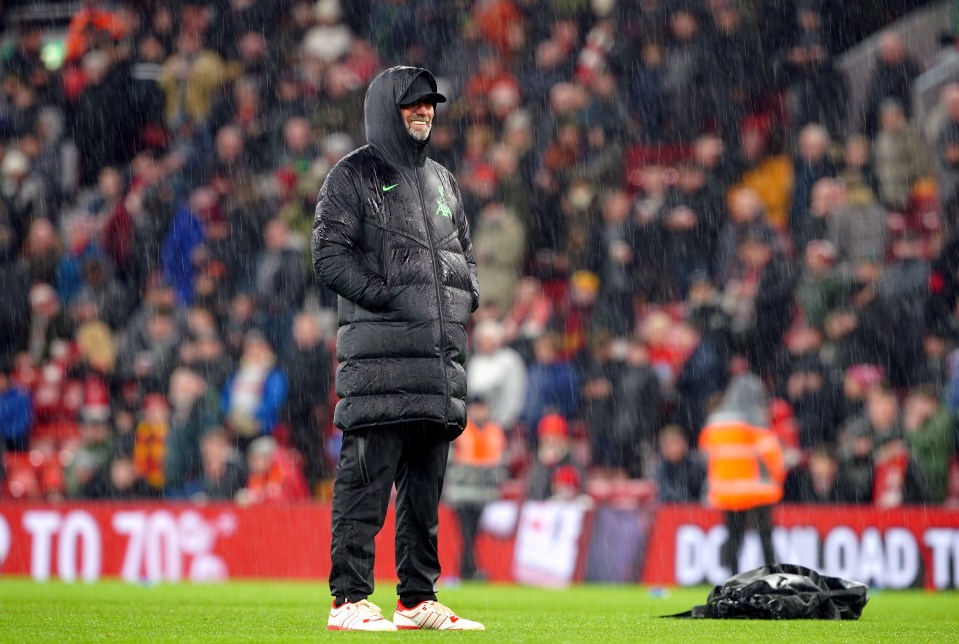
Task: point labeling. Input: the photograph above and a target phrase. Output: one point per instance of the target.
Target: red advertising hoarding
(174, 542)
(885, 548)
(897, 548)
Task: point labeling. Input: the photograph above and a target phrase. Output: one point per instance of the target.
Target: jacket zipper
(439, 294)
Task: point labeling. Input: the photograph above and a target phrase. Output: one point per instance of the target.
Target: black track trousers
(412, 455)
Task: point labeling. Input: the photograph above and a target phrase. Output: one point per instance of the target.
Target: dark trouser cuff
(409, 601)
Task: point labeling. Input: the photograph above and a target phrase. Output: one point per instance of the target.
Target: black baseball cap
(422, 88)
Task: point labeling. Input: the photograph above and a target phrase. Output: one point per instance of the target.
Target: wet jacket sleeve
(467, 244)
(337, 230)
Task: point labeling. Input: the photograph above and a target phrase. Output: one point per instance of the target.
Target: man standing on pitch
(391, 239)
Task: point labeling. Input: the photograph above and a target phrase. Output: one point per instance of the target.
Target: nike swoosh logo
(388, 188)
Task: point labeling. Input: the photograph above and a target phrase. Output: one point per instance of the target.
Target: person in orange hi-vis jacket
(745, 466)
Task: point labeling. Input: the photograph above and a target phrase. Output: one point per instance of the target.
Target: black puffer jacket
(391, 239)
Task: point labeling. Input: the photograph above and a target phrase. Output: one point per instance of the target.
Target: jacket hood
(385, 130)
(745, 400)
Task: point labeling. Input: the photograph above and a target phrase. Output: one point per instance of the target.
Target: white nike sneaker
(432, 615)
(359, 616)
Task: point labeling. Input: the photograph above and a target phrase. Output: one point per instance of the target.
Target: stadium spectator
(238, 323)
(191, 415)
(947, 147)
(147, 97)
(891, 78)
(811, 163)
(815, 481)
(860, 329)
(512, 183)
(101, 289)
(182, 240)
(611, 256)
(202, 349)
(897, 479)
(93, 452)
(649, 209)
(566, 487)
(819, 290)
(529, 316)
(25, 194)
(118, 480)
(939, 355)
(760, 163)
(473, 476)
(24, 111)
(242, 109)
(279, 284)
(930, 432)
(701, 376)
(638, 410)
(48, 322)
(499, 241)
(573, 318)
(694, 215)
(43, 256)
(881, 418)
(552, 385)
(734, 67)
(496, 373)
(554, 450)
(272, 474)
(745, 216)
(819, 87)
(858, 166)
(16, 412)
(224, 472)
(150, 357)
(648, 95)
(150, 442)
(899, 155)
(759, 299)
(856, 382)
(25, 61)
(102, 141)
(814, 398)
(711, 154)
(608, 122)
(599, 405)
(309, 368)
(680, 474)
(685, 83)
(903, 285)
(705, 311)
(253, 396)
(190, 77)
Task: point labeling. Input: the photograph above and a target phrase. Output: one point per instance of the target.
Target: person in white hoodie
(497, 373)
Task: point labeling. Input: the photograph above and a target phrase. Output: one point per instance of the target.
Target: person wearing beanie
(554, 451)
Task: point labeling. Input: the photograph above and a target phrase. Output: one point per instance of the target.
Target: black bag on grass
(783, 591)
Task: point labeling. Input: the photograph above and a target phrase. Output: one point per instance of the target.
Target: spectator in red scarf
(149, 450)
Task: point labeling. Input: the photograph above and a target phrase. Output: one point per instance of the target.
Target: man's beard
(419, 135)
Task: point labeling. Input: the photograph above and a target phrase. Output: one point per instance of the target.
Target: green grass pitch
(296, 612)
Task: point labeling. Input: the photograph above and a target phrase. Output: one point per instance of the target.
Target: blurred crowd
(663, 194)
